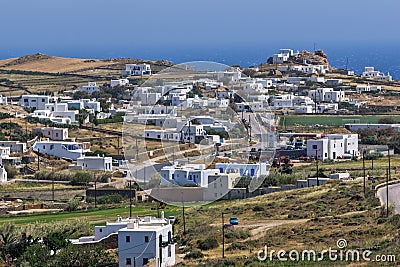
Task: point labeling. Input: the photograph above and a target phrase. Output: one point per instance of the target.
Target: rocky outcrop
(315, 58)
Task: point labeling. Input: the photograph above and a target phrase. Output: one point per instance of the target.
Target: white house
(282, 101)
(15, 146)
(244, 169)
(55, 134)
(37, 102)
(139, 240)
(3, 99)
(95, 163)
(60, 110)
(253, 86)
(90, 88)
(3, 174)
(145, 239)
(333, 146)
(304, 109)
(119, 82)
(333, 82)
(164, 135)
(370, 72)
(137, 69)
(146, 95)
(88, 104)
(193, 174)
(326, 95)
(66, 150)
(368, 88)
(282, 57)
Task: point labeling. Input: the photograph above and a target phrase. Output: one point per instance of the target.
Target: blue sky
(169, 22)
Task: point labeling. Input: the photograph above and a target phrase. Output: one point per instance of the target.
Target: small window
(146, 240)
(100, 230)
(145, 261)
(315, 147)
(127, 239)
(128, 261)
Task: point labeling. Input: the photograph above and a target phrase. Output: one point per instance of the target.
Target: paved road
(394, 196)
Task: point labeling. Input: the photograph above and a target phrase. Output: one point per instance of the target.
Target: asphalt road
(394, 196)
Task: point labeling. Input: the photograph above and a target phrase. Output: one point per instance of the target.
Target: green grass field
(94, 217)
(329, 120)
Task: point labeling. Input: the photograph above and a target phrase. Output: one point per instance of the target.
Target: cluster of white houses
(64, 112)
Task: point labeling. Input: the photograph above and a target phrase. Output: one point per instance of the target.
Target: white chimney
(162, 215)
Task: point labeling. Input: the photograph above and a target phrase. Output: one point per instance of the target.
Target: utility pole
(389, 161)
(223, 236)
(316, 161)
(118, 145)
(137, 149)
(38, 162)
(130, 198)
(249, 129)
(387, 192)
(52, 182)
(95, 191)
(364, 170)
(183, 214)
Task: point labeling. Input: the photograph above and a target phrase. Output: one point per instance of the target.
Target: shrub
(73, 204)
(195, 254)
(395, 220)
(234, 235)
(81, 178)
(110, 199)
(237, 246)
(207, 243)
(11, 171)
(258, 208)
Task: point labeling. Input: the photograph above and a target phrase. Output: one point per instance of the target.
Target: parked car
(234, 220)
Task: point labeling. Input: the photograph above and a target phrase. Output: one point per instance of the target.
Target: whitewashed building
(333, 146)
(137, 69)
(370, 72)
(3, 173)
(144, 239)
(60, 149)
(55, 134)
(90, 88)
(193, 174)
(119, 82)
(3, 99)
(37, 102)
(15, 146)
(244, 169)
(95, 163)
(139, 240)
(327, 95)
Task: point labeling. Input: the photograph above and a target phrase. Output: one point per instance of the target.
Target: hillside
(301, 219)
(43, 73)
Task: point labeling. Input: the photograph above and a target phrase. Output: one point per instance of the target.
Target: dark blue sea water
(384, 57)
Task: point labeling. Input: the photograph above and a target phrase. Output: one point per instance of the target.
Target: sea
(354, 56)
